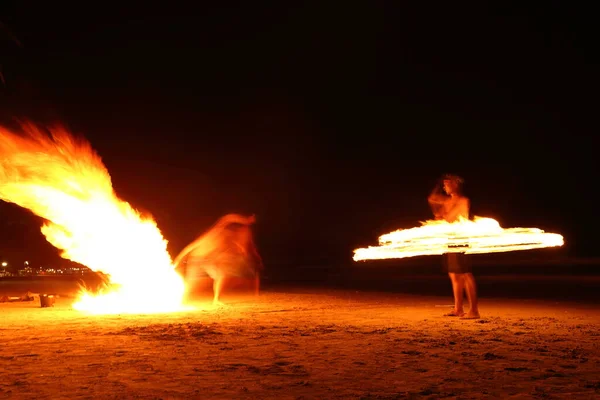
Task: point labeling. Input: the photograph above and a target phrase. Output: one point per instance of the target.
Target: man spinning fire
(225, 251)
(448, 203)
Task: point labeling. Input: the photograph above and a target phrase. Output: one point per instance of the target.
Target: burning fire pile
(482, 235)
(61, 179)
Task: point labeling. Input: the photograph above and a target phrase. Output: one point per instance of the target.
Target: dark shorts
(457, 263)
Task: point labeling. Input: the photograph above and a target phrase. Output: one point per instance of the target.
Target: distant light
(4, 263)
(26, 262)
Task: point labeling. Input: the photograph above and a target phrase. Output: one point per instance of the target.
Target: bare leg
(217, 288)
(256, 284)
(458, 286)
(471, 289)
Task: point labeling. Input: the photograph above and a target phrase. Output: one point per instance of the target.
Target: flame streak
(61, 179)
(482, 235)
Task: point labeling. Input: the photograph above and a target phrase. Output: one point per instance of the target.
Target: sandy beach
(304, 344)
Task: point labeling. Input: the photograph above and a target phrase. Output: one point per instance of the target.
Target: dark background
(330, 121)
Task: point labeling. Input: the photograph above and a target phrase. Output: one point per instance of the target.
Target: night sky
(330, 121)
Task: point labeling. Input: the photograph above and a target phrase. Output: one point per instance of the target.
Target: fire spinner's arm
(437, 201)
(437, 195)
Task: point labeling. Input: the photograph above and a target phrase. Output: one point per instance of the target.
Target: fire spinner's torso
(455, 208)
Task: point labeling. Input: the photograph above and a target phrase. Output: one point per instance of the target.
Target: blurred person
(448, 202)
(226, 250)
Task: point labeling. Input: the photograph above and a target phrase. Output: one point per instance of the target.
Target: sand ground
(304, 344)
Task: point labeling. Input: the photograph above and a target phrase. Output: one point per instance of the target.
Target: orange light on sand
(481, 235)
(61, 179)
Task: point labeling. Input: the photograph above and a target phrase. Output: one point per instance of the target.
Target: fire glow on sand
(62, 179)
(435, 237)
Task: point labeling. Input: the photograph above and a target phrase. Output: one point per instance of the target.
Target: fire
(62, 179)
(482, 235)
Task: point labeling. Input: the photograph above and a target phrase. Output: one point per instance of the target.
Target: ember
(482, 235)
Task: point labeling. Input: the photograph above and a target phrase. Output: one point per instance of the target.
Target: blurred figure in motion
(447, 202)
(225, 251)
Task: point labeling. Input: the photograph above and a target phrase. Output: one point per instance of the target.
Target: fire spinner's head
(452, 183)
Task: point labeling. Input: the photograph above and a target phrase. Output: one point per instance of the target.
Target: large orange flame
(482, 235)
(61, 179)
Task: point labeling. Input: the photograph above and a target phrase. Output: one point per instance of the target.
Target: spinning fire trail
(482, 235)
(61, 179)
